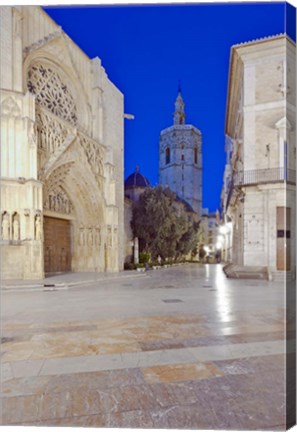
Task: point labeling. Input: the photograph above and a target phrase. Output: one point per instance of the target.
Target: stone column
(136, 250)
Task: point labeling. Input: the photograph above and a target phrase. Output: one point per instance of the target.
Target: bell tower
(180, 158)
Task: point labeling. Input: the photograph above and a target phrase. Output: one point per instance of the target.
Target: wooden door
(283, 235)
(57, 252)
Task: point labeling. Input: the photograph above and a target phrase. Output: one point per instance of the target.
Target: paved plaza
(182, 347)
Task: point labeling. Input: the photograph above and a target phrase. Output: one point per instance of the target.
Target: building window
(195, 155)
(167, 155)
(182, 157)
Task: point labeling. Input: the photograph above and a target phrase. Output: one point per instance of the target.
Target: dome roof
(136, 180)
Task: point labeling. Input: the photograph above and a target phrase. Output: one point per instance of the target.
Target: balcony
(260, 176)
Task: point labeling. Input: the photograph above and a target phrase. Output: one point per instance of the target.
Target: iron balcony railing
(260, 176)
(269, 175)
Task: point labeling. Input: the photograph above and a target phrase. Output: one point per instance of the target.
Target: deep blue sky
(146, 50)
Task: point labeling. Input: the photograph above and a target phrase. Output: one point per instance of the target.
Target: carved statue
(98, 236)
(37, 227)
(81, 236)
(90, 236)
(16, 229)
(109, 237)
(5, 227)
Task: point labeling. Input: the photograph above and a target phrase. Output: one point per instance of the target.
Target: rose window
(51, 92)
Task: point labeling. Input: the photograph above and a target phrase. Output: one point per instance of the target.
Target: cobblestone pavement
(175, 348)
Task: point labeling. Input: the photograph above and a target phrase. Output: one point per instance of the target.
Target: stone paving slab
(67, 280)
(116, 355)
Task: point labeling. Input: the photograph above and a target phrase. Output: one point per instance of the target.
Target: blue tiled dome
(136, 180)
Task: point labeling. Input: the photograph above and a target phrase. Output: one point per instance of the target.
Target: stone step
(234, 271)
(282, 276)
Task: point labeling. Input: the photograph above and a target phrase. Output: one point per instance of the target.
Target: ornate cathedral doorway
(57, 245)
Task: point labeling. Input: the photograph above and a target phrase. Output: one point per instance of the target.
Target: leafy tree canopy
(160, 227)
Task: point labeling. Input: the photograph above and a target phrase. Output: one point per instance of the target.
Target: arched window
(167, 155)
(195, 155)
(51, 92)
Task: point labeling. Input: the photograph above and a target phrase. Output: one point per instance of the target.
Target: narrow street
(182, 347)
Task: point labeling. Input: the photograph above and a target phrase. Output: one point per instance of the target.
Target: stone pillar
(136, 250)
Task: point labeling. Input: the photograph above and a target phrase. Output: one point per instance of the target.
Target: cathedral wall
(56, 165)
(113, 138)
(6, 51)
(128, 231)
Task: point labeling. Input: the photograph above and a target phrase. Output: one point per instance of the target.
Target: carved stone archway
(71, 168)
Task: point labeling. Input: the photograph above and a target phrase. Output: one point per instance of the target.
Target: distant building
(62, 197)
(180, 158)
(210, 239)
(135, 184)
(258, 198)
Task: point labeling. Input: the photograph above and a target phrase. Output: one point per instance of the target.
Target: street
(182, 347)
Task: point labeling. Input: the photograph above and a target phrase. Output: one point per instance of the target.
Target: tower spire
(179, 87)
(179, 113)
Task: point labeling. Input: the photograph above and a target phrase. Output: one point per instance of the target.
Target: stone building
(258, 198)
(180, 158)
(210, 238)
(135, 185)
(62, 195)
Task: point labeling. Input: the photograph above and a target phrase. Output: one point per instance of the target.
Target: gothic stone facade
(259, 181)
(61, 152)
(180, 158)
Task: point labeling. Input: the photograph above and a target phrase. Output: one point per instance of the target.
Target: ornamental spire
(179, 113)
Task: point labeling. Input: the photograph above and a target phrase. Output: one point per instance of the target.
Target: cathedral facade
(180, 158)
(62, 200)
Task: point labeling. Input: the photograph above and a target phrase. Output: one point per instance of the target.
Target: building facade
(210, 239)
(258, 198)
(180, 158)
(62, 197)
(135, 184)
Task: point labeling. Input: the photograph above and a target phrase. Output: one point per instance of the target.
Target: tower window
(195, 155)
(182, 157)
(167, 155)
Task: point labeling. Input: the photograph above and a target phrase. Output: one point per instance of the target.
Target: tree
(159, 227)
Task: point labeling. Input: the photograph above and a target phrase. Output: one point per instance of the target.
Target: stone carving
(27, 222)
(90, 236)
(5, 227)
(51, 132)
(115, 235)
(37, 227)
(94, 154)
(58, 201)
(43, 41)
(9, 107)
(97, 236)
(109, 236)
(32, 135)
(81, 239)
(51, 92)
(15, 227)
